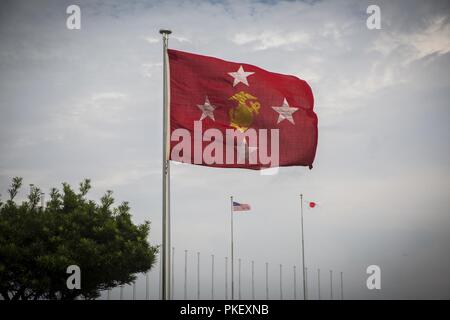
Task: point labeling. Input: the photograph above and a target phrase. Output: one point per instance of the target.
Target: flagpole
(226, 278)
(165, 176)
(281, 282)
(198, 275)
(303, 248)
(267, 281)
(239, 280)
(295, 285)
(232, 252)
(331, 284)
(318, 282)
(253, 280)
(212, 277)
(185, 274)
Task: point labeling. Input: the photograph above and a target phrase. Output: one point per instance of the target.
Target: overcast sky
(88, 103)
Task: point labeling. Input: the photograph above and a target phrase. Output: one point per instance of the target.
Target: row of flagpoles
(265, 290)
(235, 206)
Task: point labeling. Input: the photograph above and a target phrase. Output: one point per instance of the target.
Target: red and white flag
(210, 97)
(312, 204)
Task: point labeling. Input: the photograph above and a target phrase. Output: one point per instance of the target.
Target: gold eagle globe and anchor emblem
(241, 117)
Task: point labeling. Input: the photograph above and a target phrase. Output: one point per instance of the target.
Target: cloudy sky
(88, 103)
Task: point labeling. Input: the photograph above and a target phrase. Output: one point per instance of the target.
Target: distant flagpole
(318, 282)
(198, 275)
(212, 277)
(165, 276)
(295, 284)
(239, 280)
(253, 280)
(232, 252)
(185, 274)
(331, 284)
(281, 282)
(303, 248)
(267, 281)
(226, 278)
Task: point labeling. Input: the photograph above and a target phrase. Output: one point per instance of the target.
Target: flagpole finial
(165, 31)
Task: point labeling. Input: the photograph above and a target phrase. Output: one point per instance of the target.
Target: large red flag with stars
(236, 115)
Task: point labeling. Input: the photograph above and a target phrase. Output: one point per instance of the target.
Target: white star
(207, 109)
(285, 112)
(240, 76)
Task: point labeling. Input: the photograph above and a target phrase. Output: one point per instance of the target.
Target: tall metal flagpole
(165, 276)
(232, 252)
(303, 248)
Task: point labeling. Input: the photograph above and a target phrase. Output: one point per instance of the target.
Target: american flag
(240, 206)
(312, 204)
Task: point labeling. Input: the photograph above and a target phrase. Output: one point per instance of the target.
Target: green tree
(38, 244)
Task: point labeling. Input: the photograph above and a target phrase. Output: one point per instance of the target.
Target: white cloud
(433, 39)
(149, 69)
(269, 39)
(151, 39)
(180, 38)
(97, 97)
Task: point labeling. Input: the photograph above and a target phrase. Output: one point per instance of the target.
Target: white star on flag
(207, 109)
(240, 76)
(285, 112)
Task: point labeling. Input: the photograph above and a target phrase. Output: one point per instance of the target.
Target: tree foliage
(37, 244)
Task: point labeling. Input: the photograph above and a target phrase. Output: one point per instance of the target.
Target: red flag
(236, 115)
(312, 204)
